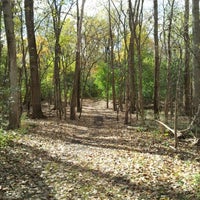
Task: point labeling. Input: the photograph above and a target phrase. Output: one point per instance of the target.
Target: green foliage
(148, 81)
(47, 89)
(4, 96)
(91, 89)
(102, 80)
(197, 184)
(23, 130)
(5, 137)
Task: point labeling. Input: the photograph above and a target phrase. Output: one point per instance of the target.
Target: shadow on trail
(110, 138)
(20, 174)
(24, 170)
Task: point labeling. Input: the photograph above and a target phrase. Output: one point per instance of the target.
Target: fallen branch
(179, 134)
(193, 121)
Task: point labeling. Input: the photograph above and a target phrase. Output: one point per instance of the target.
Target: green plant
(5, 137)
(197, 184)
(23, 130)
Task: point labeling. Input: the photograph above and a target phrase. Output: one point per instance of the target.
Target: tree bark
(156, 62)
(196, 60)
(187, 74)
(1, 45)
(111, 44)
(169, 98)
(56, 12)
(138, 35)
(75, 98)
(33, 57)
(131, 58)
(26, 100)
(57, 90)
(14, 103)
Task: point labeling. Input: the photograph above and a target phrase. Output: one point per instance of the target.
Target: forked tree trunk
(131, 82)
(14, 104)
(58, 22)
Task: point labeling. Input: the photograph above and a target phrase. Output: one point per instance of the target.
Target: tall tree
(131, 85)
(56, 12)
(168, 99)
(156, 61)
(187, 74)
(75, 98)
(14, 109)
(196, 59)
(26, 100)
(1, 45)
(122, 30)
(33, 57)
(131, 55)
(138, 36)
(111, 47)
(0, 30)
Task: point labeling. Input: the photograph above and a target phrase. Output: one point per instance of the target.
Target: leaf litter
(81, 160)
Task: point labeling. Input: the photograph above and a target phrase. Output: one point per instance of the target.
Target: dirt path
(87, 160)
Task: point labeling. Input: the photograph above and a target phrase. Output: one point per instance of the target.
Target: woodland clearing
(82, 159)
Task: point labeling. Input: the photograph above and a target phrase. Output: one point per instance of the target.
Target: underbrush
(5, 137)
(197, 184)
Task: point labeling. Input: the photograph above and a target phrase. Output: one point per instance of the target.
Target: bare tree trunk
(187, 74)
(196, 60)
(57, 90)
(76, 84)
(140, 68)
(112, 58)
(127, 99)
(132, 74)
(14, 110)
(131, 56)
(107, 78)
(177, 100)
(64, 72)
(130, 101)
(35, 80)
(56, 12)
(169, 98)
(26, 100)
(156, 62)
(1, 45)
(79, 102)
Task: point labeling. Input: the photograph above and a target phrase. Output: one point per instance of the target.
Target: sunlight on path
(82, 160)
(134, 168)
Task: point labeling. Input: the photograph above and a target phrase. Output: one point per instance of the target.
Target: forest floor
(94, 159)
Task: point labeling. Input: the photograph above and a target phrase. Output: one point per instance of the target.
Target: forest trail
(87, 160)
